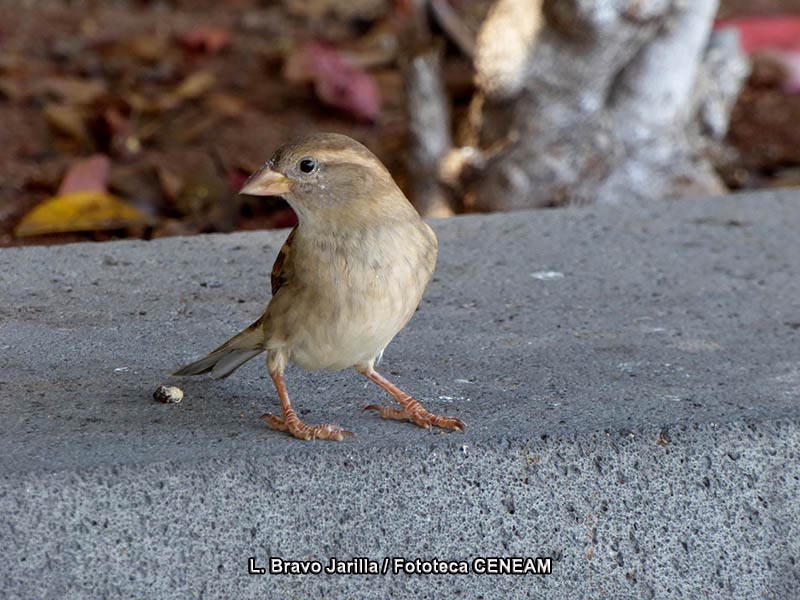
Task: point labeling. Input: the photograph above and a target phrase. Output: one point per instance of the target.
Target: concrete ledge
(636, 419)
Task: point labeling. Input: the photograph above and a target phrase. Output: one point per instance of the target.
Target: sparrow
(349, 277)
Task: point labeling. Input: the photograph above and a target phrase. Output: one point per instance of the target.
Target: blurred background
(137, 119)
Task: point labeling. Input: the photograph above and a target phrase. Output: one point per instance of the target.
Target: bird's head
(325, 176)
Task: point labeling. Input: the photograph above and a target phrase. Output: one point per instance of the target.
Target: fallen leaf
(67, 121)
(149, 47)
(299, 66)
(89, 175)
(336, 82)
(79, 211)
(82, 203)
(226, 104)
(193, 86)
(765, 33)
(206, 39)
(72, 90)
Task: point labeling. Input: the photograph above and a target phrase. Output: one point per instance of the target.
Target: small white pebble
(547, 275)
(168, 394)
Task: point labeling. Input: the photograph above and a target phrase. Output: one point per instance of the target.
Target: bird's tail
(231, 355)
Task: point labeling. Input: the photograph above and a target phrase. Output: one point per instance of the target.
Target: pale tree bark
(428, 112)
(592, 101)
(429, 131)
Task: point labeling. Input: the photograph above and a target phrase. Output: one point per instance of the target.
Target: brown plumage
(348, 278)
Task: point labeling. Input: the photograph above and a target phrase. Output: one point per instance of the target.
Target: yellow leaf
(194, 86)
(79, 211)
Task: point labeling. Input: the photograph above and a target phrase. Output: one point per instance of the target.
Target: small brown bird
(346, 281)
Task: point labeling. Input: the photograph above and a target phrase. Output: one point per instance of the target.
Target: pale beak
(266, 182)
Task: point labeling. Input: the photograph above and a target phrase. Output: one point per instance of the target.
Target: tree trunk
(584, 101)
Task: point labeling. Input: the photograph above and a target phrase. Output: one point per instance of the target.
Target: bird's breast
(350, 295)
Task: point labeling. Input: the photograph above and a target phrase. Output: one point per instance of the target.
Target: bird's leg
(292, 424)
(412, 410)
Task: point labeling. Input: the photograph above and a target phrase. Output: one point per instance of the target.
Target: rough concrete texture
(636, 419)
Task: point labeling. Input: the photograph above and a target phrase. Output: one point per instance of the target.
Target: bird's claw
(301, 431)
(418, 416)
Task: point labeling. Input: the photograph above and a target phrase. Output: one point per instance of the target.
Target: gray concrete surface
(636, 419)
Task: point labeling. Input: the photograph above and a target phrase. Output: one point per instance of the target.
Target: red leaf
(336, 82)
(206, 39)
(765, 33)
(89, 175)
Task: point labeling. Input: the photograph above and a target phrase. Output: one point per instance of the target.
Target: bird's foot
(296, 428)
(416, 414)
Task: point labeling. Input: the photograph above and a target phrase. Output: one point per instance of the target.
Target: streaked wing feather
(280, 274)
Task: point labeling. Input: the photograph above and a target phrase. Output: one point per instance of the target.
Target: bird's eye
(307, 165)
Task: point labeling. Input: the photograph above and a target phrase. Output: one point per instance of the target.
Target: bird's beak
(266, 182)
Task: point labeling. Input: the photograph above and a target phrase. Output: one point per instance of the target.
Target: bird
(348, 278)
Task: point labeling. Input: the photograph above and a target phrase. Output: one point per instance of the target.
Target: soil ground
(187, 98)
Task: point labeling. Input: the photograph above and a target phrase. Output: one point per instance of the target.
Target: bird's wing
(280, 272)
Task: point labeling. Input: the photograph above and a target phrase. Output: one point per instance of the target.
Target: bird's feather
(231, 355)
(280, 274)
